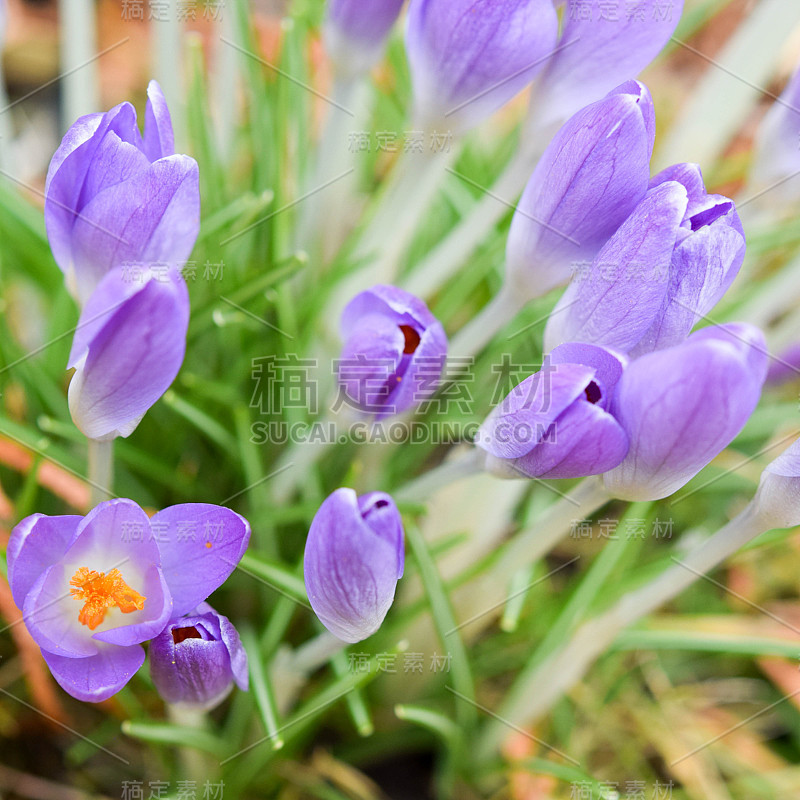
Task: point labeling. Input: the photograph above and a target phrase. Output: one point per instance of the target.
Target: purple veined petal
(778, 496)
(350, 571)
(355, 35)
(151, 219)
(35, 544)
(201, 545)
(703, 268)
(523, 419)
(378, 510)
(584, 440)
(370, 358)
(133, 358)
(159, 139)
(97, 677)
(421, 378)
(197, 658)
(682, 406)
(602, 44)
(394, 352)
(776, 152)
(591, 177)
(114, 162)
(617, 300)
(64, 195)
(113, 536)
(470, 57)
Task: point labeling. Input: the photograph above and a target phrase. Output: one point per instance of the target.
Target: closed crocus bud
(113, 197)
(615, 300)
(591, 177)
(196, 659)
(602, 44)
(709, 252)
(682, 406)
(470, 57)
(355, 32)
(394, 351)
(128, 348)
(776, 163)
(556, 424)
(778, 497)
(353, 560)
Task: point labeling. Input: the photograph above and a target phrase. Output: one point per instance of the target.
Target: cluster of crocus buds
(93, 589)
(122, 213)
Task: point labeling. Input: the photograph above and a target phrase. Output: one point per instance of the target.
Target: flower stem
(493, 317)
(310, 656)
(536, 691)
(197, 765)
(422, 488)
(101, 471)
(447, 258)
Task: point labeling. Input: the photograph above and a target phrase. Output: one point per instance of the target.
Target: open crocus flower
(590, 178)
(127, 350)
(602, 44)
(355, 34)
(665, 268)
(354, 557)
(196, 659)
(113, 197)
(394, 351)
(683, 405)
(556, 424)
(470, 57)
(93, 588)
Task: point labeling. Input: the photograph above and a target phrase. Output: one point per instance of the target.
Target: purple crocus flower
(665, 268)
(556, 424)
(353, 560)
(196, 659)
(778, 496)
(113, 197)
(601, 45)
(683, 405)
(93, 588)
(470, 57)
(776, 161)
(127, 350)
(355, 34)
(394, 351)
(590, 178)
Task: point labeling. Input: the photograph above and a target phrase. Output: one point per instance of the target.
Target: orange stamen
(100, 592)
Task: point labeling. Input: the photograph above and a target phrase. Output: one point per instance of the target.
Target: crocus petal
(608, 365)
(602, 44)
(355, 35)
(682, 406)
(159, 139)
(377, 373)
(616, 301)
(590, 178)
(584, 440)
(200, 545)
(350, 570)
(470, 57)
(98, 677)
(131, 361)
(35, 544)
(778, 497)
(523, 419)
(151, 219)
